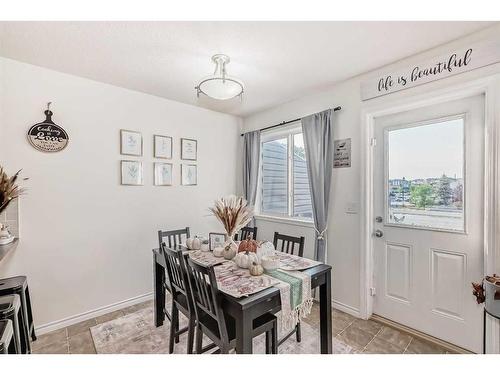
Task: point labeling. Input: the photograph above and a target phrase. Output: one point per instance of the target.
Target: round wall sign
(47, 136)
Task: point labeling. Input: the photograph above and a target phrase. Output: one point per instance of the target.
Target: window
(284, 185)
(425, 182)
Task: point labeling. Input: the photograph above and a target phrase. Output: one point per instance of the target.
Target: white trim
(487, 86)
(285, 220)
(346, 308)
(62, 323)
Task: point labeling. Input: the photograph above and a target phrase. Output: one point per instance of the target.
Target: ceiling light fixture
(220, 86)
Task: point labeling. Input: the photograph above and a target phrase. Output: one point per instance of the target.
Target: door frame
(490, 88)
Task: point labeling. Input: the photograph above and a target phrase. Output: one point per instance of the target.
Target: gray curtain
(251, 160)
(318, 141)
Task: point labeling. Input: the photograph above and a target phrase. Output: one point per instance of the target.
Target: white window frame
(287, 132)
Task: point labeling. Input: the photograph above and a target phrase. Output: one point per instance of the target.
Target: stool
(10, 308)
(7, 345)
(19, 285)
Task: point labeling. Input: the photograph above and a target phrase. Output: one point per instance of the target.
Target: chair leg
(173, 328)
(29, 323)
(199, 339)
(176, 320)
(274, 337)
(269, 338)
(191, 329)
(298, 334)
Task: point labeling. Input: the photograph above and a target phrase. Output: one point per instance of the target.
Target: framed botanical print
(163, 174)
(189, 174)
(131, 172)
(130, 143)
(216, 240)
(188, 149)
(162, 147)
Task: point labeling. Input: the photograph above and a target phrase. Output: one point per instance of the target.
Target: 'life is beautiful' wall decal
(458, 61)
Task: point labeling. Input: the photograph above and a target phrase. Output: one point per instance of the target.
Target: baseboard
(346, 308)
(48, 327)
(413, 332)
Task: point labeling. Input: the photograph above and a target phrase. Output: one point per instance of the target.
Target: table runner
(294, 286)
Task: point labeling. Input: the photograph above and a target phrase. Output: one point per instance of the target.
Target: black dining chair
(289, 244)
(181, 297)
(295, 246)
(211, 320)
(171, 238)
(245, 232)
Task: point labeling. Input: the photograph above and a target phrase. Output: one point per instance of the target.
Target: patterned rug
(136, 334)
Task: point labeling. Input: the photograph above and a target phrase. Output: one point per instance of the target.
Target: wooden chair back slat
(288, 244)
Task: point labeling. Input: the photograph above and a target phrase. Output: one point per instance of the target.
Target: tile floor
(363, 336)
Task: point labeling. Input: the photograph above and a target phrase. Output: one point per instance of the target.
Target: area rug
(136, 334)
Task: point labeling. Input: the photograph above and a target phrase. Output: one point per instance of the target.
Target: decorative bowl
(270, 262)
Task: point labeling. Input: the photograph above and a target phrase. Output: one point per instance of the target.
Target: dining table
(245, 309)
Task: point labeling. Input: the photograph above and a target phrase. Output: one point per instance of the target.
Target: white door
(428, 207)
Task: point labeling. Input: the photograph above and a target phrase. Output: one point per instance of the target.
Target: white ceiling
(277, 61)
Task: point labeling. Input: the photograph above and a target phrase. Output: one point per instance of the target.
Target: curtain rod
(288, 122)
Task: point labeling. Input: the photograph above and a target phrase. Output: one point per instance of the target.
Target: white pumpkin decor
(245, 260)
(196, 245)
(256, 269)
(193, 243)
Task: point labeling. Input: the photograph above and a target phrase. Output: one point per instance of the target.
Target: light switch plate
(351, 208)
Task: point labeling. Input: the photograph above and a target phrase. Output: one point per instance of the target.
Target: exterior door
(428, 201)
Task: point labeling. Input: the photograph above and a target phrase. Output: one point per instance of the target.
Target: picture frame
(163, 146)
(216, 240)
(189, 174)
(163, 174)
(131, 173)
(189, 149)
(130, 143)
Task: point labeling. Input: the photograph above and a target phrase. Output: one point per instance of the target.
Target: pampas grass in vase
(233, 213)
(9, 190)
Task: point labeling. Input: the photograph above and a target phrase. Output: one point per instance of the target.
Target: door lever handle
(378, 233)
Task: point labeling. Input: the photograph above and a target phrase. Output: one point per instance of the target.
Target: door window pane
(275, 177)
(425, 176)
(302, 206)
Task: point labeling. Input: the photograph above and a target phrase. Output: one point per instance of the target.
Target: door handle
(378, 233)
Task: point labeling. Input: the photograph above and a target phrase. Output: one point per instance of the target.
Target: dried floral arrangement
(9, 190)
(233, 212)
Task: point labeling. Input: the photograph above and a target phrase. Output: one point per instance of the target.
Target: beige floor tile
(58, 347)
(339, 325)
(369, 326)
(379, 346)
(109, 316)
(395, 337)
(355, 337)
(77, 328)
(342, 316)
(50, 338)
(82, 343)
(419, 346)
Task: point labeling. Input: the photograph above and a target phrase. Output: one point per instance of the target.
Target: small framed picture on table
(216, 240)
(163, 174)
(162, 147)
(189, 174)
(131, 172)
(189, 149)
(130, 143)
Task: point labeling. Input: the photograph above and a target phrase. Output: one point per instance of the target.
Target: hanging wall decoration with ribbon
(46, 136)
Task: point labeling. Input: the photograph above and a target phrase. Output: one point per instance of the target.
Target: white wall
(344, 229)
(86, 241)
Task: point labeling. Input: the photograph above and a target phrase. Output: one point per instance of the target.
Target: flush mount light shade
(220, 86)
